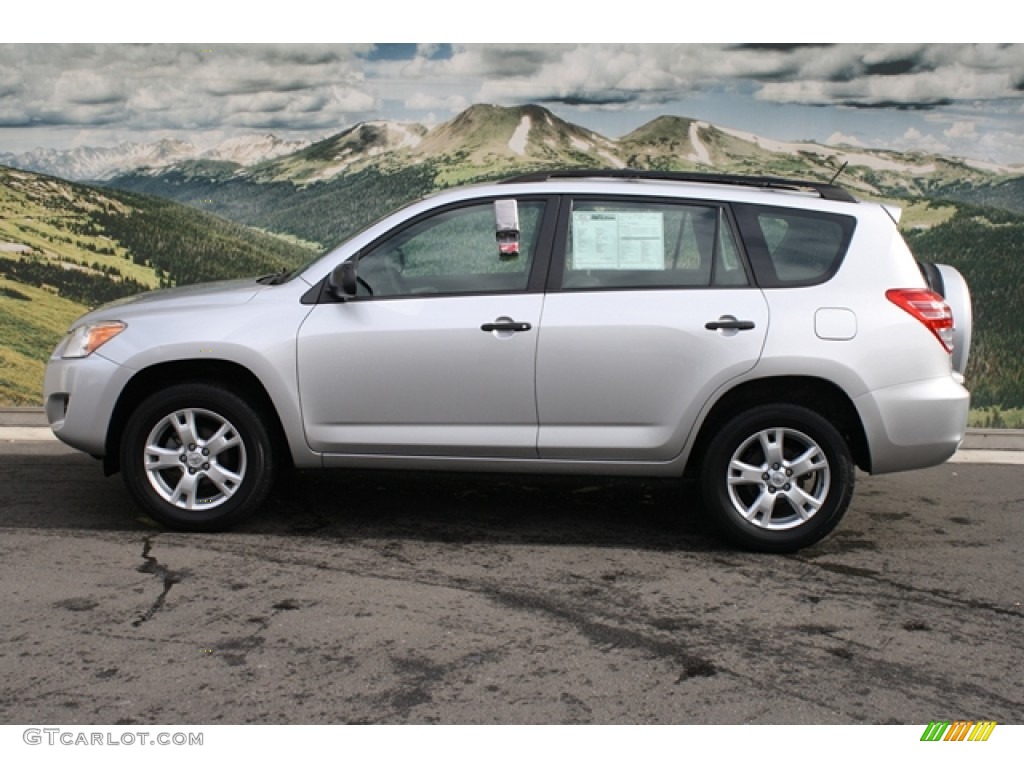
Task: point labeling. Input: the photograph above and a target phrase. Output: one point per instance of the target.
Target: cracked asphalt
(360, 597)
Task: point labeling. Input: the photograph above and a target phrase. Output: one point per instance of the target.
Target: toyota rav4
(765, 336)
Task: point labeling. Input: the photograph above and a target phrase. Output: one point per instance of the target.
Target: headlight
(86, 339)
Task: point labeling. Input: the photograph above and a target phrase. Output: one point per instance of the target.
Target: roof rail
(826, 191)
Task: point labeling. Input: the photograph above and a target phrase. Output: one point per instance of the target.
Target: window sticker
(618, 240)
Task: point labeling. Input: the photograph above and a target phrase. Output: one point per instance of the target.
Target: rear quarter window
(792, 247)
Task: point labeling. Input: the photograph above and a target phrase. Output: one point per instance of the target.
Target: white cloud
(914, 140)
(961, 130)
(421, 101)
(183, 86)
(352, 99)
(581, 73)
(978, 89)
(999, 144)
(841, 138)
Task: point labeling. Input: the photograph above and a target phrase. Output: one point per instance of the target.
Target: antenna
(841, 169)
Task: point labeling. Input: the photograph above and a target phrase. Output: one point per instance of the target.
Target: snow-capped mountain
(482, 139)
(102, 163)
(525, 134)
(338, 154)
(83, 163)
(250, 150)
(486, 141)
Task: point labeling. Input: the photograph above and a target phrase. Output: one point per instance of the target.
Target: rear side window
(650, 244)
(790, 247)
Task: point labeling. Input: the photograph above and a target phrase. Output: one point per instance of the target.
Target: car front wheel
(197, 457)
(777, 478)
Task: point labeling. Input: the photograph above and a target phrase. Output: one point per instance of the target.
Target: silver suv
(766, 336)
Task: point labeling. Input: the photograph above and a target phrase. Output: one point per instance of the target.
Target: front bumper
(79, 396)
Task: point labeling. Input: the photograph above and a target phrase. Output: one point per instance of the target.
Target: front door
(435, 355)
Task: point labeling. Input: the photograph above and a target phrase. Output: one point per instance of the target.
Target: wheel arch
(819, 395)
(227, 374)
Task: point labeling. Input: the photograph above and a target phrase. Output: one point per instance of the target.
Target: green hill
(323, 214)
(65, 248)
(987, 246)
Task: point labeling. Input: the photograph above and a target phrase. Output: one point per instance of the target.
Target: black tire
(777, 478)
(206, 482)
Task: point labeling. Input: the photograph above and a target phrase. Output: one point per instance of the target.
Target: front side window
(639, 244)
(454, 251)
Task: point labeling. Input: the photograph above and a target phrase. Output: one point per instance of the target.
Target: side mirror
(342, 280)
(506, 228)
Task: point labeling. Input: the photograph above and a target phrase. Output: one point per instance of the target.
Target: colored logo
(958, 730)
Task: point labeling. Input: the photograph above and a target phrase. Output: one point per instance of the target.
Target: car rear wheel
(777, 478)
(197, 457)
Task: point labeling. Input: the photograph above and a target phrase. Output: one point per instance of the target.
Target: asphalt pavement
(373, 597)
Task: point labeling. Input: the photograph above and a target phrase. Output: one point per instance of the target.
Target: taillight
(928, 307)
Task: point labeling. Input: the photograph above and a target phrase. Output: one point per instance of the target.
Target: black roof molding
(826, 191)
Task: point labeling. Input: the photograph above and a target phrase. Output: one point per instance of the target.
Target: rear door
(651, 310)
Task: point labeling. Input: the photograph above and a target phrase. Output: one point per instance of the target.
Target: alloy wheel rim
(195, 459)
(778, 479)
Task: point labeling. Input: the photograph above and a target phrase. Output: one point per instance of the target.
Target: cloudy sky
(960, 99)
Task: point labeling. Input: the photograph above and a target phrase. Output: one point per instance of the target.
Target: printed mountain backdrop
(82, 227)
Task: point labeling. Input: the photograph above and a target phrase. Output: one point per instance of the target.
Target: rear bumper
(915, 425)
